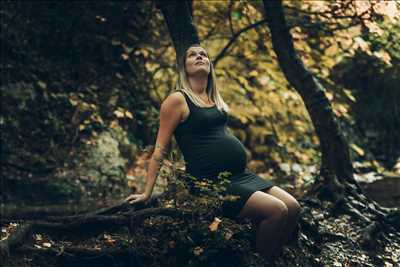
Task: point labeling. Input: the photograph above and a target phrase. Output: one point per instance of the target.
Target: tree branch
(233, 39)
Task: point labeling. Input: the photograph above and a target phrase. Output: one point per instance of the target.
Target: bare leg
(271, 214)
(293, 210)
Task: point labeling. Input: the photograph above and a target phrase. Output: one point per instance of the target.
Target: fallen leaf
(357, 149)
(214, 225)
(110, 242)
(119, 114)
(128, 114)
(38, 237)
(125, 56)
(46, 244)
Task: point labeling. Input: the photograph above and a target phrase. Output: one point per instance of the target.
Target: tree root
(79, 252)
(68, 256)
(84, 224)
(372, 231)
(377, 219)
(54, 213)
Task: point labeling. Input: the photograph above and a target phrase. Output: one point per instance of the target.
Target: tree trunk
(177, 15)
(336, 166)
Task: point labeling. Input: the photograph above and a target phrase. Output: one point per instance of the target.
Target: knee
(280, 213)
(294, 208)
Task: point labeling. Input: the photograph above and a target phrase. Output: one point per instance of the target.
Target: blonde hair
(211, 90)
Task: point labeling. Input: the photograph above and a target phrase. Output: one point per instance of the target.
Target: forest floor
(325, 238)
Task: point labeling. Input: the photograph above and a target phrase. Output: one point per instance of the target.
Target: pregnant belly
(225, 153)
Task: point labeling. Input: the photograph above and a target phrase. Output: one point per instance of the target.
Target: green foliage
(62, 87)
(75, 70)
(210, 193)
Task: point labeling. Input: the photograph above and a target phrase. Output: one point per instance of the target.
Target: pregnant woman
(197, 116)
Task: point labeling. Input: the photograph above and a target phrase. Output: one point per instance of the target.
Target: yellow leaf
(125, 56)
(145, 53)
(374, 28)
(396, 167)
(38, 237)
(357, 149)
(253, 73)
(342, 109)
(362, 44)
(214, 225)
(46, 244)
(332, 50)
(349, 94)
(119, 114)
(73, 102)
(97, 118)
(384, 56)
(329, 95)
(128, 114)
(243, 81)
(114, 124)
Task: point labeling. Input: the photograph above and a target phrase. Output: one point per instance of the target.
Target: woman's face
(197, 61)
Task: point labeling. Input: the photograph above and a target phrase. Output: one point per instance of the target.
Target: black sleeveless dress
(209, 149)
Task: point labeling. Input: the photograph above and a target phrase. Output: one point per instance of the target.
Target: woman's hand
(136, 198)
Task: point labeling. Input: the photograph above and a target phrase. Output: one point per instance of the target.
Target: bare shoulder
(173, 103)
(176, 97)
(174, 100)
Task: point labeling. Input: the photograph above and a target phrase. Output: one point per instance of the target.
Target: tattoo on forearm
(159, 153)
(158, 158)
(158, 146)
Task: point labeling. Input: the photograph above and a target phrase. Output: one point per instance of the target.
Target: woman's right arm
(171, 113)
